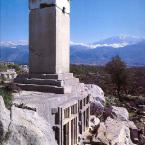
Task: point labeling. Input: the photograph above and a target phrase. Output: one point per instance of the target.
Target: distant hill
(130, 49)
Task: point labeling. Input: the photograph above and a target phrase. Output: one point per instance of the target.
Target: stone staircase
(52, 83)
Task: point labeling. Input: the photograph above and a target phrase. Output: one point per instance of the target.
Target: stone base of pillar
(52, 83)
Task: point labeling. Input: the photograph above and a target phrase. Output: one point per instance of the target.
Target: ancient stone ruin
(49, 58)
(58, 96)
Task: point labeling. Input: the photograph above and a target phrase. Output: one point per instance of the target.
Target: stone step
(72, 82)
(36, 81)
(45, 88)
(63, 76)
(53, 82)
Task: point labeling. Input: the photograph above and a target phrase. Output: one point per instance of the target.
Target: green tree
(118, 72)
(14, 66)
(3, 67)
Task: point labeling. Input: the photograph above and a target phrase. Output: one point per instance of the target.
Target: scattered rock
(96, 93)
(94, 121)
(118, 113)
(96, 108)
(94, 124)
(114, 132)
(142, 107)
(97, 99)
(101, 136)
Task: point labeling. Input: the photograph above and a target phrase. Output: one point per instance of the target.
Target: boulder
(96, 108)
(24, 127)
(118, 113)
(101, 136)
(134, 132)
(96, 93)
(97, 99)
(121, 114)
(114, 132)
(94, 124)
(4, 119)
(28, 128)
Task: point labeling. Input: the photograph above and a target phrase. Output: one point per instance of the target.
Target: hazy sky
(91, 20)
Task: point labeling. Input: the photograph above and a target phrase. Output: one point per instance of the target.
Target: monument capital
(62, 4)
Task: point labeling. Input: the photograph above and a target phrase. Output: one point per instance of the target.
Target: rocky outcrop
(116, 129)
(97, 99)
(121, 114)
(4, 120)
(118, 113)
(96, 92)
(94, 124)
(24, 127)
(114, 132)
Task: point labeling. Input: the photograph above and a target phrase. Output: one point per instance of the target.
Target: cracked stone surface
(114, 132)
(4, 119)
(25, 127)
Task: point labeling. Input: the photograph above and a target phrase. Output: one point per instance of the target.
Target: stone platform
(52, 83)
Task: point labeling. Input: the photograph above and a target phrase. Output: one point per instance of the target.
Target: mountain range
(130, 48)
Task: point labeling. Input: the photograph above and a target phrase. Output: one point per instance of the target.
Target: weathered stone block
(49, 41)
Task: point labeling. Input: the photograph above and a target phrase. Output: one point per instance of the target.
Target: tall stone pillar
(49, 39)
(49, 30)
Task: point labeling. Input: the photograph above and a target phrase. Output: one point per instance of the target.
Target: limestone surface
(25, 127)
(4, 119)
(96, 92)
(94, 122)
(117, 129)
(118, 113)
(97, 99)
(114, 132)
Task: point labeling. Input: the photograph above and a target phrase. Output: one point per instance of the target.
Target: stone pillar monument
(49, 24)
(49, 30)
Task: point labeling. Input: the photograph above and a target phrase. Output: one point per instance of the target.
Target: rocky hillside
(108, 125)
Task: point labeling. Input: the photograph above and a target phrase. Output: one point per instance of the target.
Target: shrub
(7, 96)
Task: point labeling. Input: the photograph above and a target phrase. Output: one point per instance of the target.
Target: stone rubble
(114, 132)
(97, 99)
(118, 113)
(116, 129)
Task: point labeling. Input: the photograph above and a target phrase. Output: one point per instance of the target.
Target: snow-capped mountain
(13, 44)
(131, 49)
(115, 42)
(122, 39)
